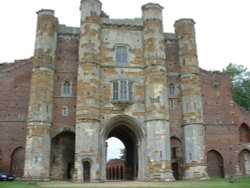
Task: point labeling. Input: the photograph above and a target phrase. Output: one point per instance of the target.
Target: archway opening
(129, 170)
(244, 162)
(116, 157)
(215, 164)
(62, 156)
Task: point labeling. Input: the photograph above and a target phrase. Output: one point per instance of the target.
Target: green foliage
(123, 153)
(241, 84)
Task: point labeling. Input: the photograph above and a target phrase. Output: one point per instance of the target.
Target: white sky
(222, 26)
(114, 148)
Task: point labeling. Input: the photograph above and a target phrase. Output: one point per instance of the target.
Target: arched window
(121, 55)
(66, 88)
(171, 88)
(244, 133)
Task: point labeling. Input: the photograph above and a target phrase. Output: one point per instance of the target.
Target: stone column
(192, 108)
(156, 97)
(37, 156)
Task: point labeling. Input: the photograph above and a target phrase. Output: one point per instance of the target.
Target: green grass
(17, 184)
(211, 183)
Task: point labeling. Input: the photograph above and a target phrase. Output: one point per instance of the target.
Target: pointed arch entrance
(131, 133)
(62, 155)
(215, 164)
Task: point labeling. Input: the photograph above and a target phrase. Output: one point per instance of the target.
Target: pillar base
(161, 176)
(195, 172)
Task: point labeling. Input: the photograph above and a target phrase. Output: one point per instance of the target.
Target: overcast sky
(222, 26)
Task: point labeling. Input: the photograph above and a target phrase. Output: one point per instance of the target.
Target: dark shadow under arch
(62, 155)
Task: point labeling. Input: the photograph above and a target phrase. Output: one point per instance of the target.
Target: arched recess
(244, 162)
(17, 161)
(176, 157)
(62, 155)
(244, 133)
(215, 164)
(132, 134)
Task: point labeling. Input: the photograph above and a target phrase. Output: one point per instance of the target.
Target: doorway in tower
(132, 134)
(86, 171)
(62, 155)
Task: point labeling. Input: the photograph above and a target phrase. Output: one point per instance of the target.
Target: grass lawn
(211, 183)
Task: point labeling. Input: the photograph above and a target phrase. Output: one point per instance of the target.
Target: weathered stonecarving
(122, 78)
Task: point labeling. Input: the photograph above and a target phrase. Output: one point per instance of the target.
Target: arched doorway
(176, 157)
(175, 169)
(244, 162)
(17, 161)
(86, 171)
(215, 165)
(131, 134)
(62, 155)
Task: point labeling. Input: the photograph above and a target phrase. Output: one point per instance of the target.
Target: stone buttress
(156, 97)
(87, 112)
(192, 108)
(37, 156)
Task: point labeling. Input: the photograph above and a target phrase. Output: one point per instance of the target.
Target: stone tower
(156, 96)
(192, 108)
(87, 112)
(37, 157)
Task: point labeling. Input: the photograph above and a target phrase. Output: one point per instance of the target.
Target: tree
(241, 84)
(123, 153)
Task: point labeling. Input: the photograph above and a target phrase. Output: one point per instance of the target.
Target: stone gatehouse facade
(122, 78)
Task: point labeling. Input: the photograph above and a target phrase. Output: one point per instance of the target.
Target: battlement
(130, 22)
(63, 29)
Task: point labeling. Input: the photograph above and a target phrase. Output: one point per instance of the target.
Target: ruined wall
(222, 118)
(14, 92)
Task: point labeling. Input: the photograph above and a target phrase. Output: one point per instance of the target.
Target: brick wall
(14, 96)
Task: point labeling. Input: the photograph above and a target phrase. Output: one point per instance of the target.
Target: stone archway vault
(132, 134)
